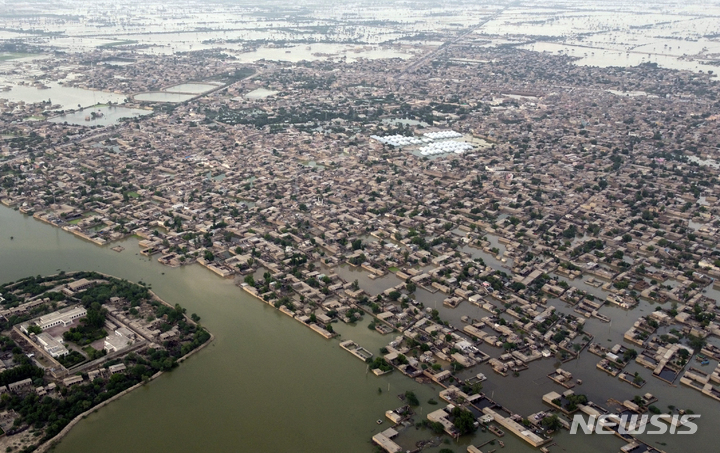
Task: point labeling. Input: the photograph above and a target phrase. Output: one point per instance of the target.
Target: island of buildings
(72, 343)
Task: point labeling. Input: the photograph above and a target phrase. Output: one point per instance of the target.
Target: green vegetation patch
(71, 359)
(90, 327)
(93, 353)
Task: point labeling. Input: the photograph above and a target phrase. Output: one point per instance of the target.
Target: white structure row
(441, 135)
(400, 140)
(445, 148)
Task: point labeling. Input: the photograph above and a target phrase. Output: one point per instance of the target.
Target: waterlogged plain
(56, 94)
(192, 88)
(260, 93)
(103, 115)
(617, 35)
(163, 96)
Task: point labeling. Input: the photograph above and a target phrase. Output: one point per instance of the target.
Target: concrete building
(20, 385)
(54, 346)
(119, 368)
(61, 318)
(74, 287)
(72, 380)
(121, 339)
(384, 440)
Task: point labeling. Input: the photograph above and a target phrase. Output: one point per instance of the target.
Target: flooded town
(492, 218)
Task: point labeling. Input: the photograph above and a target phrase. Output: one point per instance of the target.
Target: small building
(122, 338)
(20, 385)
(72, 380)
(442, 416)
(383, 439)
(119, 368)
(72, 288)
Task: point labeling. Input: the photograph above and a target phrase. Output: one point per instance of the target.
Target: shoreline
(49, 444)
(52, 443)
(314, 327)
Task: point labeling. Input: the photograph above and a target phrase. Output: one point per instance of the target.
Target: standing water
(268, 383)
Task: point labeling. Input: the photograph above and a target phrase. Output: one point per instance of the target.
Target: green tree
(411, 398)
(464, 420)
(436, 427)
(551, 423)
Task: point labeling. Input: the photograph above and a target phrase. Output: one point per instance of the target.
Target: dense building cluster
(570, 178)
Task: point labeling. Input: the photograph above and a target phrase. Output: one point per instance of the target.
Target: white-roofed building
(60, 318)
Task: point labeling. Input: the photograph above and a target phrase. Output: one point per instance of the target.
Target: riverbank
(52, 443)
(131, 358)
(293, 367)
